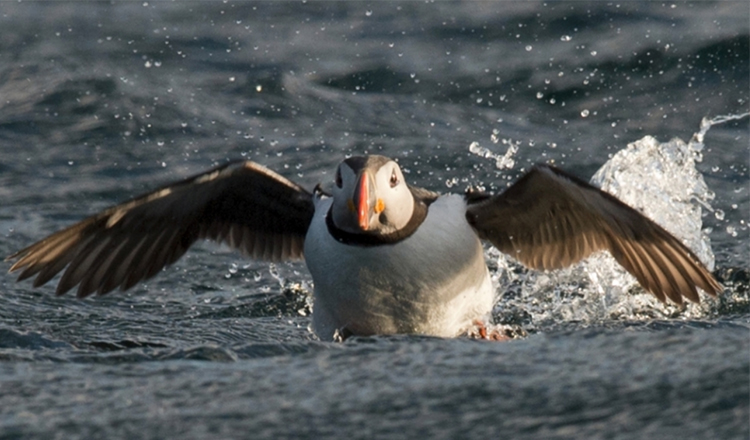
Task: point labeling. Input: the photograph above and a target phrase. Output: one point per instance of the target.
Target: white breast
(434, 282)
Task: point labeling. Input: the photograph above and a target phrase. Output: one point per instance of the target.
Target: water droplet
(584, 113)
(475, 148)
(719, 214)
(566, 38)
(529, 48)
(274, 271)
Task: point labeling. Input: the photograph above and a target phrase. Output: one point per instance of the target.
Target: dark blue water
(100, 102)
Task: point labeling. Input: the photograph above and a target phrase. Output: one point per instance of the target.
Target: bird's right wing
(244, 204)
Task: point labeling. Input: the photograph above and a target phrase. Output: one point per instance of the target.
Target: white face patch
(398, 202)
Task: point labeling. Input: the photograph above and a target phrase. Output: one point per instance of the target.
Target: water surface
(101, 102)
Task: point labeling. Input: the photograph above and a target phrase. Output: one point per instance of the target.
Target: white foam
(659, 179)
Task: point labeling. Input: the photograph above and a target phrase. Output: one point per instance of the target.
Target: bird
(385, 257)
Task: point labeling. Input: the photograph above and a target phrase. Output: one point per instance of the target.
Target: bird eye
(394, 179)
(338, 178)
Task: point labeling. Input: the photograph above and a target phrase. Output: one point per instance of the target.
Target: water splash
(706, 124)
(504, 161)
(660, 180)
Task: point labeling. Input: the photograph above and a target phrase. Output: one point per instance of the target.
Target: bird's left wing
(244, 204)
(549, 219)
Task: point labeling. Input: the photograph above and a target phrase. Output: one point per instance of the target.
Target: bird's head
(370, 196)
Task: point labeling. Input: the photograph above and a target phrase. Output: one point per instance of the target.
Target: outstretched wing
(241, 203)
(550, 219)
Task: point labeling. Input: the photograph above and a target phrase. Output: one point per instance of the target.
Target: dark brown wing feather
(549, 219)
(243, 204)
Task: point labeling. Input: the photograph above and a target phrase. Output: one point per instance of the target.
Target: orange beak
(363, 202)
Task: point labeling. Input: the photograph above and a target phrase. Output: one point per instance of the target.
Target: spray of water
(659, 179)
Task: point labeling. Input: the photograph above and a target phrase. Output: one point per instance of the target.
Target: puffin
(385, 257)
